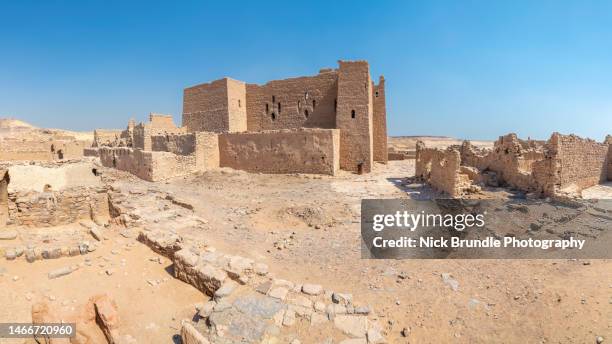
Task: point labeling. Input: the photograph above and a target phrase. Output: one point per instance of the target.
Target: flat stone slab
(8, 234)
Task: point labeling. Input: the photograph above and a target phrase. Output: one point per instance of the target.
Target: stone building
(345, 98)
(314, 124)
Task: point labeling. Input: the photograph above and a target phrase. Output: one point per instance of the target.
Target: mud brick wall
(207, 150)
(282, 151)
(4, 180)
(441, 169)
(161, 121)
(308, 102)
(511, 159)
(219, 106)
(47, 150)
(354, 116)
(380, 122)
(53, 208)
(147, 165)
(582, 162)
(181, 144)
(105, 137)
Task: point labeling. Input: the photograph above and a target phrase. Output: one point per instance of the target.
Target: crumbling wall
(106, 137)
(4, 180)
(181, 144)
(161, 121)
(581, 163)
(41, 150)
(282, 151)
(53, 208)
(147, 165)
(380, 123)
(442, 170)
(354, 116)
(308, 102)
(511, 160)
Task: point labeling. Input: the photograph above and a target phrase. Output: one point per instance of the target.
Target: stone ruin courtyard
(203, 234)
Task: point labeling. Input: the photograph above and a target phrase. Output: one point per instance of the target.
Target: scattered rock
(60, 272)
(451, 282)
(8, 234)
(312, 289)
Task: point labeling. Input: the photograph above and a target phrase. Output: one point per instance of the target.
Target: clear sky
(469, 69)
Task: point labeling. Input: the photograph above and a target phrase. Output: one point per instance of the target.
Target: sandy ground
(306, 228)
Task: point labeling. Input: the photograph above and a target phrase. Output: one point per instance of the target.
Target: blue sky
(469, 69)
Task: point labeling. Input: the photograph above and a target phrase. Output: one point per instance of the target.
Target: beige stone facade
(282, 151)
(343, 98)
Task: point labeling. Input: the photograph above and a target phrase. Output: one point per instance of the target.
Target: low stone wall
(582, 162)
(442, 170)
(151, 166)
(282, 151)
(53, 208)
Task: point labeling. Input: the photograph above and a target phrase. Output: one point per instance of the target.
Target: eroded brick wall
(53, 208)
(582, 162)
(4, 180)
(441, 169)
(181, 144)
(207, 150)
(380, 123)
(147, 165)
(282, 151)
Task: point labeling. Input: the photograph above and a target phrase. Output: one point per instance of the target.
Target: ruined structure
(343, 98)
(316, 124)
(50, 195)
(565, 164)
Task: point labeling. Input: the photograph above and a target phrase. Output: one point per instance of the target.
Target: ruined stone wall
(380, 152)
(219, 106)
(282, 151)
(142, 137)
(308, 102)
(161, 121)
(41, 150)
(582, 162)
(147, 165)
(354, 116)
(106, 137)
(53, 208)
(511, 159)
(181, 144)
(4, 180)
(442, 170)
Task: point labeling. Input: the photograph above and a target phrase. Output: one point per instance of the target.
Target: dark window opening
(273, 99)
(273, 116)
(239, 105)
(306, 113)
(60, 154)
(114, 162)
(267, 108)
(335, 104)
(352, 113)
(376, 94)
(94, 171)
(52, 148)
(314, 104)
(279, 108)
